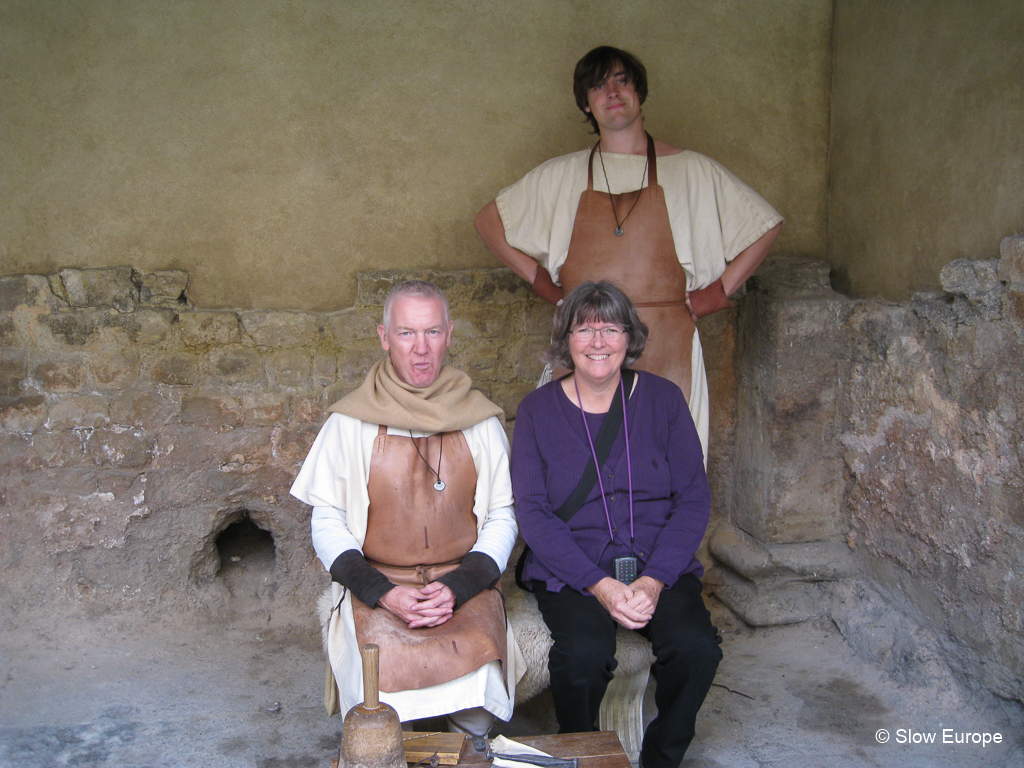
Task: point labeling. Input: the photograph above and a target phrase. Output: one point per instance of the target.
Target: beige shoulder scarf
(445, 406)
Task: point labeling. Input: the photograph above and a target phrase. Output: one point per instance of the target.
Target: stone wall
(148, 445)
(881, 468)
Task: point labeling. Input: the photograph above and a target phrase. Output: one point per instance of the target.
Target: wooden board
(421, 746)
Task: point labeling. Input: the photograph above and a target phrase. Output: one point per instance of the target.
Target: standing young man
(671, 227)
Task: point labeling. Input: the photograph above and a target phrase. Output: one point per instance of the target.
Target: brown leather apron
(642, 262)
(414, 535)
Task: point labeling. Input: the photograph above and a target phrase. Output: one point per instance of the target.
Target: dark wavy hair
(591, 302)
(596, 65)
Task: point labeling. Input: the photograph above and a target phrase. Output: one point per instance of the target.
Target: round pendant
(439, 485)
(618, 231)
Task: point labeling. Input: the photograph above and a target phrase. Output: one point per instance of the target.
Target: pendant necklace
(611, 197)
(439, 485)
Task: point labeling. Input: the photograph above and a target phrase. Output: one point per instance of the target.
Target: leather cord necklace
(611, 197)
(439, 485)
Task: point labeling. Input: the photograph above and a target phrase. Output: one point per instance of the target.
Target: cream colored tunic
(333, 480)
(713, 214)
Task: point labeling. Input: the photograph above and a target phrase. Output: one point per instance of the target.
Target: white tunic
(333, 480)
(713, 214)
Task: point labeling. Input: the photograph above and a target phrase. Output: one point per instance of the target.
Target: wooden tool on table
(371, 736)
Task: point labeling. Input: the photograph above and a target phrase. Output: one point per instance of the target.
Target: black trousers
(582, 660)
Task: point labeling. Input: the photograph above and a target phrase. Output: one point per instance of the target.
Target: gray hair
(590, 302)
(419, 289)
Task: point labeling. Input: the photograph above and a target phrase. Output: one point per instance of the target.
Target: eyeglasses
(611, 333)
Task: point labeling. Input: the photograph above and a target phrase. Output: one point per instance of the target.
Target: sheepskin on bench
(622, 707)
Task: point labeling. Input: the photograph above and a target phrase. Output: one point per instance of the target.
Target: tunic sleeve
(714, 215)
(538, 211)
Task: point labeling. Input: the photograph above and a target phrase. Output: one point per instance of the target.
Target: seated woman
(618, 546)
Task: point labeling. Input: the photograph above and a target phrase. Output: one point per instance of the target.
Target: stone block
(290, 368)
(23, 414)
(234, 365)
(355, 323)
(75, 329)
(147, 326)
(789, 477)
(264, 408)
(24, 290)
(308, 410)
(291, 443)
(163, 288)
(522, 357)
(480, 359)
(509, 395)
(538, 316)
(78, 412)
(143, 409)
(13, 372)
(213, 411)
(792, 277)
(8, 330)
(59, 449)
(118, 370)
(1011, 261)
(122, 448)
(61, 375)
(176, 370)
(277, 328)
(742, 553)
(355, 362)
(102, 287)
(325, 369)
(208, 328)
(770, 604)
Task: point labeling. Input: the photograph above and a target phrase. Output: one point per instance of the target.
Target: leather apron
(414, 535)
(642, 262)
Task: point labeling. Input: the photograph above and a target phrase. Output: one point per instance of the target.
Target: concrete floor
(247, 692)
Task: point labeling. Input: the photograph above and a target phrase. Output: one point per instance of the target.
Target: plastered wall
(274, 149)
(927, 151)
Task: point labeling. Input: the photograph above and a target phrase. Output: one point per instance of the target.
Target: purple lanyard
(593, 452)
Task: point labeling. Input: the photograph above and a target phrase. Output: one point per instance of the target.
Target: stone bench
(622, 707)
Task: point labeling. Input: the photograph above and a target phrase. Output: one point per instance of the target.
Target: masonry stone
(13, 372)
(123, 448)
(1011, 262)
(104, 287)
(78, 412)
(176, 370)
(61, 375)
(352, 324)
(23, 414)
(273, 328)
(290, 368)
(217, 411)
(162, 288)
(264, 408)
(116, 370)
(208, 328)
(236, 365)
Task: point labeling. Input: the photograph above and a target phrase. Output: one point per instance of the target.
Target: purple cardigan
(671, 498)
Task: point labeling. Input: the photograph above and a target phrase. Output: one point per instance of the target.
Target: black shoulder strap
(602, 447)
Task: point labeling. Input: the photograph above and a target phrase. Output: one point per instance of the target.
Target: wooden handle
(371, 668)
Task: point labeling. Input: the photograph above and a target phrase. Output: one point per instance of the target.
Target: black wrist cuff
(351, 570)
(476, 573)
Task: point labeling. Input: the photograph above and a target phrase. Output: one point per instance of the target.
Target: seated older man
(413, 517)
